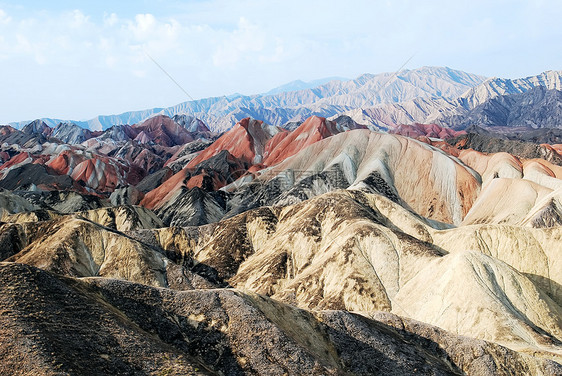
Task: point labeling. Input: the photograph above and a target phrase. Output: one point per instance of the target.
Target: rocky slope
(387, 255)
(455, 112)
(425, 130)
(368, 160)
(362, 252)
(328, 99)
(442, 187)
(490, 144)
(247, 148)
(69, 157)
(216, 332)
(319, 247)
(535, 108)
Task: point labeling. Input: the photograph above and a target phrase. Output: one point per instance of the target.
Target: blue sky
(78, 59)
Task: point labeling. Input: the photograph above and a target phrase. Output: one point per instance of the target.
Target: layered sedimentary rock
(323, 248)
(386, 256)
(248, 147)
(69, 157)
(362, 252)
(425, 130)
(47, 319)
(438, 187)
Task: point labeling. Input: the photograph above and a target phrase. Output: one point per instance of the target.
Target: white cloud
(110, 19)
(215, 47)
(78, 19)
(245, 39)
(73, 38)
(143, 25)
(4, 18)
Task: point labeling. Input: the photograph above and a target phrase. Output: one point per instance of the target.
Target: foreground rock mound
(47, 321)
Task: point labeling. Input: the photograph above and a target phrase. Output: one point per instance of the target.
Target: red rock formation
(418, 130)
(165, 191)
(4, 157)
(97, 174)
(247, 141)
(66, 160)
(18, 158)
(251, 146)
(146, 161)
(6, 130)
(162, 130)
(213, 173)
(314, 129)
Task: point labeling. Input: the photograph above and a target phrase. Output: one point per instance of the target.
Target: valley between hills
(407, 224)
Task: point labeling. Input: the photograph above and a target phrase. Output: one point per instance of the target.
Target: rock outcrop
(319, 248)
(362, 252)
(47, 319)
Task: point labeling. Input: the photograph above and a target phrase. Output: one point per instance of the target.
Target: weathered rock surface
(438, 187)
(90, 243)
(68, 157)
(487, 144)
(47, 320)
(248, 147)
(425, 130)
(193, 207)
(362, 252)
(63, 201)
(12, 204)
(343, 250)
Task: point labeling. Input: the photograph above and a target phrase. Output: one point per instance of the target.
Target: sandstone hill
(318, 247)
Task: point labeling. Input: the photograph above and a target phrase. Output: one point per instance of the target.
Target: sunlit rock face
(321, 247)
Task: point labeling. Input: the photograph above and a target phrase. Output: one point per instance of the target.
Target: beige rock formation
(362, 252)
(505, 200)
(47, 327)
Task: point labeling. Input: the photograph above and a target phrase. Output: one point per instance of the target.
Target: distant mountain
(428, 95)
(302, 85)
(70, 133)
(329, 99)
(450, 112)
(535, 108)
(494, 87)
(37, 127)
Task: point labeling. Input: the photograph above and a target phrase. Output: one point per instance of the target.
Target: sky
(78, 59)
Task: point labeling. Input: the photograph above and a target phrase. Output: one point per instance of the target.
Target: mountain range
(328, 99)
(348, 244)
(302, 85)
(426, 95)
